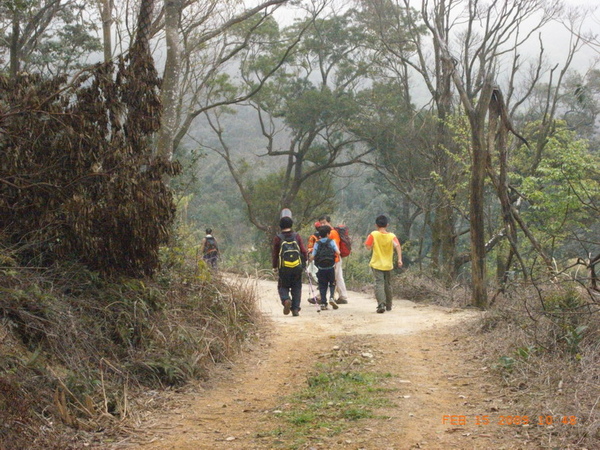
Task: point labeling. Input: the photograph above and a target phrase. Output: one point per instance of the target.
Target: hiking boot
(295, 312)
(342, 301)
(287, 305)
(333, 303)
(388, 306)
(380, 309)
(312, 300)
(323, 306)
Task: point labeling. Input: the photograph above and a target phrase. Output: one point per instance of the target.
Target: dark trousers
(290, 284)
(326, 279)
(211, 260)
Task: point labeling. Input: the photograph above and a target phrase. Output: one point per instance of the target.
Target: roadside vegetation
(542, 343)
(80, 354)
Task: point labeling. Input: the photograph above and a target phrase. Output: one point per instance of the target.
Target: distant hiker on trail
(323, 255)
(383, 243)
(210, 249)
(339, 274)
(289, 259)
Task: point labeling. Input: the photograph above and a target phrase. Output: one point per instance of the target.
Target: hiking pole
(311, 291)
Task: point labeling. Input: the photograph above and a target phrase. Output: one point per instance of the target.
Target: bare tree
(194, 30)
(488, 33)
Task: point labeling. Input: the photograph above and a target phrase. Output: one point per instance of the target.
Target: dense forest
(127, 128)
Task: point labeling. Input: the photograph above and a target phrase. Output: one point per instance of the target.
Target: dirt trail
(418, 344)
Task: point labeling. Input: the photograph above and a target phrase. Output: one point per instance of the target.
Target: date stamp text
(482, 420)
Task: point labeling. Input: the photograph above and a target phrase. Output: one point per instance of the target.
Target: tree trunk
(476, 209)
(169, 94)
(106, 9)
(14, 45)
(448, 241)
(443, 95)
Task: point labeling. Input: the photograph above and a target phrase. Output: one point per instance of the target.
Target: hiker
(312, 269)
(210, 249)
(324, 253)
(339, 274)
(383, 243)
(289, 260)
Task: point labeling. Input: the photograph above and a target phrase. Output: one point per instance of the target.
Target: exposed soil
(436, 388)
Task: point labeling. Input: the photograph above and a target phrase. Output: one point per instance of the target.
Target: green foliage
(560, 300)
(573, 338)
(562, 187)
(54, 38)
(506, 363)
(390, 25)
(525, 352)
(581, 96)
(310, 101)
(521, 354)
(263, 191)
(314, 108)
(68, 50)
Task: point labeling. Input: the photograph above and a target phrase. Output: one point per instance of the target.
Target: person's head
(325, 220)
(317, 225)
(286, 222)
(382, 221)
(324, 231)
(209, 231)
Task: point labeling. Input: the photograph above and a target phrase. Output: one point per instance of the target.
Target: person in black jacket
(289, 260)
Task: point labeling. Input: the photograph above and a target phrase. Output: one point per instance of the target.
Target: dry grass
(543, 345)
(76, 350)
(418, 287)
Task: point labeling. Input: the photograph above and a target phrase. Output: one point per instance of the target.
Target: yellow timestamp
(539, 420)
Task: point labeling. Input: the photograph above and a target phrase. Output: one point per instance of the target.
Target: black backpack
(210, 245)
(289, 253)
(325, 255)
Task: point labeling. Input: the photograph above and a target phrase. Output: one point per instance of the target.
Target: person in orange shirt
(339, 274)
(383, 243)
